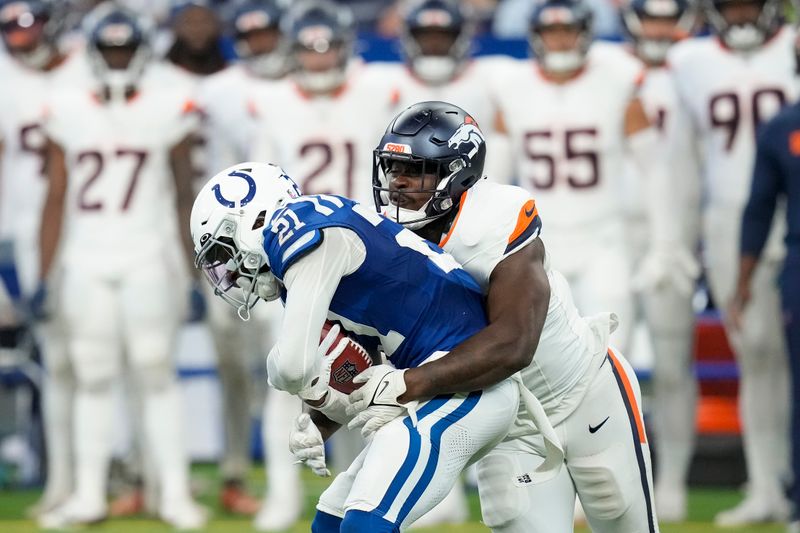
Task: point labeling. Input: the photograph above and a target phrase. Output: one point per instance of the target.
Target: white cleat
(45, 504)
(671, 504)
(793, 527)
(754, 510)
(184, 515)
(451, 510)
(72, 514)
(279, 512)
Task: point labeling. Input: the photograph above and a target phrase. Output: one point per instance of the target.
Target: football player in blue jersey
(328, 257)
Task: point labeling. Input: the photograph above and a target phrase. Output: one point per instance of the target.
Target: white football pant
(607, 459)
(137, 314)
(405, 470)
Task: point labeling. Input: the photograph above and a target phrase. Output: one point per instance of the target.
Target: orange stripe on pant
(629, 393)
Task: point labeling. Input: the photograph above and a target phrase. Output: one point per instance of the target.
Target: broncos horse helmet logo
(468, 133)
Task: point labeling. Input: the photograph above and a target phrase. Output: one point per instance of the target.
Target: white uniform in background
(728, 94)
(325, 143)
(227, 101)
(569, 144)
(470, 90)
(23, 187)
(580, 383)
(667, 311)
(124, 280)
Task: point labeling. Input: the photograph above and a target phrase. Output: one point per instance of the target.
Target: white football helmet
(228, 220)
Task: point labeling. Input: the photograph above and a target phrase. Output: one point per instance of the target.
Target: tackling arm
(517, 302)
(53, 212)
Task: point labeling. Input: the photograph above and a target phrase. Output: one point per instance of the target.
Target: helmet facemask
(394, 200)
(561, 17)
(238, 276)
(29, 32)
(744, 35)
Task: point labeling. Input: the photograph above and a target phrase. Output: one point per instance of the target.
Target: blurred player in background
(197, 34)
(437, 42)
(119, 127)
(331, 108)
(653, 26)
(320, 124)
(573, 116)
(731, 83)
(226, 100)
(30, 30)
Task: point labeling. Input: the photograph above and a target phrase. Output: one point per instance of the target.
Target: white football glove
(662, 268)
(307, 446)
(335, 402)
(376, 403)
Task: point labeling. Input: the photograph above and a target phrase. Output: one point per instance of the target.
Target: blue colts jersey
(408, 294)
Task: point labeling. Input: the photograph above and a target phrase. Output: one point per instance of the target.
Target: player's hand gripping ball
(349, 359)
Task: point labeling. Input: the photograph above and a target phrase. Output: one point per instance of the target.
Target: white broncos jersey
(568, 139)
(495, 221)
(23, 182)
(325, 143)
(728, 95)
(120, 203)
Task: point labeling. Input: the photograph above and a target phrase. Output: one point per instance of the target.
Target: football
(350, 363)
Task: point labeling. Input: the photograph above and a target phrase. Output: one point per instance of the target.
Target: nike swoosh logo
(383, 388)
(598, 426)
(529, 212)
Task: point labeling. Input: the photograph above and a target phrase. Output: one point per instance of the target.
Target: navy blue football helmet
(429, 139)
(30, 30)
(561, 13)
(320, 26)
(744, 36)
(259, 16)
(443, 17)
(112, 27)
(654, 50)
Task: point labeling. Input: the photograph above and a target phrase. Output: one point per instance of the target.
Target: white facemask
(744, 37)
(562, 62)
(320, 82)
(434, 69)
(653, 51)
(271, 66)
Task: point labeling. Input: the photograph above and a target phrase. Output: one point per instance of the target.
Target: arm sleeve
(767, 184)
(310, 284)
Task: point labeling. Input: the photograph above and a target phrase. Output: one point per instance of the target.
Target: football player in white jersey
(573, 115)
(29, 31)
(731, 83)
(330, 108)
(588, 391)
(436, 41)
(120, 183)
(653, 26)
(226, 101)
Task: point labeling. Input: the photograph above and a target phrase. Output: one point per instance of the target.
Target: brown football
(350, 363)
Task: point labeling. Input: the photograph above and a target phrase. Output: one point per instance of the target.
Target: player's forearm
(49, 234)
(747, 267)
(325, 425)
(481, 361)
(180, 161)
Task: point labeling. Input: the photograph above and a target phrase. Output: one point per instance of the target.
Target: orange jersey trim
(527, 214)
(462, 201)
(629, 393)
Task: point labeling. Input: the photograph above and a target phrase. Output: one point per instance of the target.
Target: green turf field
(703, 505)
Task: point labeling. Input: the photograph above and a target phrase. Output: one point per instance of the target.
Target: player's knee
(366, 522)
(501, 501)
(96, 366)
(153, 375)
(325, 523)
(603, 494)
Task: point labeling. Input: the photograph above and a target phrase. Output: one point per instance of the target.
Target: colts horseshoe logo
(251, 192)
